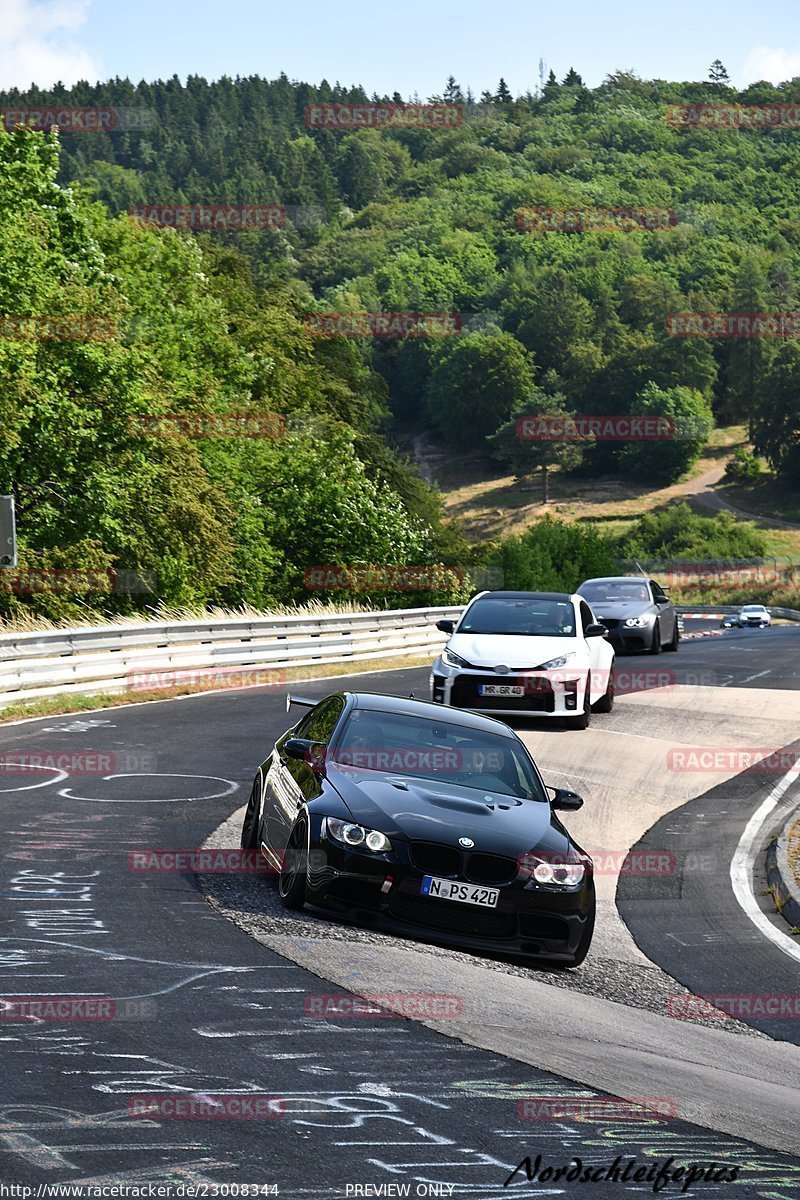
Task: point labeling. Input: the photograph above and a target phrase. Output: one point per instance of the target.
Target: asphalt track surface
(200, 1007)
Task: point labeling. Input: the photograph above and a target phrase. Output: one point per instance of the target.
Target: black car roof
(524, 596)
(377, 702)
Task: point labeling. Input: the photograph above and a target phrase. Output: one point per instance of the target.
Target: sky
(410, 47)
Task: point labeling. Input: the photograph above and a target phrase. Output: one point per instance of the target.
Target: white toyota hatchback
(517, 653)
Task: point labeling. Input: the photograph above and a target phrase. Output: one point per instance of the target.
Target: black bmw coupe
(431, 823)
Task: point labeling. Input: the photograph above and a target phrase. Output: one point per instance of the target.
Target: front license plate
(467, 893)
(500, 689)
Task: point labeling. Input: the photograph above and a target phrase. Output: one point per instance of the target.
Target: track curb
(780, 876)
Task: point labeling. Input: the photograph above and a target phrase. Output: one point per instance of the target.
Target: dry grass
(30, 623)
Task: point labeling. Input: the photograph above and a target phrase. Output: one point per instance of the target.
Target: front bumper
(557, 694)
(529, 922)
(626, 640)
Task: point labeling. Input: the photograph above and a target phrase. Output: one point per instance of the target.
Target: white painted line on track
(740, 866)
(759, 675)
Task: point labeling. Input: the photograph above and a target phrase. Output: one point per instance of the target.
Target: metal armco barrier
(722, 610)
(111, 658)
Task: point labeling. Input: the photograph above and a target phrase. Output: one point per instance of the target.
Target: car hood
(420, 809)
(498, 649)
(622, 609)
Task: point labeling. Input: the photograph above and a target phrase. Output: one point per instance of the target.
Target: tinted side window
(658, 595)
(320, 723)
(586, 615)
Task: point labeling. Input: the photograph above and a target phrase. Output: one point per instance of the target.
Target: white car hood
(496, 649)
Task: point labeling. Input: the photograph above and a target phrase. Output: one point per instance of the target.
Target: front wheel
(582, 722)
(655, 647)
(606, 702)
(294, 870)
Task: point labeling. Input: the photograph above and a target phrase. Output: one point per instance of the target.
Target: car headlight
(636, 622)
(453, 660)
(554, 663)
(552, 869)
(350, 834)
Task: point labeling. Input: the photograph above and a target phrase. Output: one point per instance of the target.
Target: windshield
(528, 617)
(610, 592)
(754, 608)
(427, 748)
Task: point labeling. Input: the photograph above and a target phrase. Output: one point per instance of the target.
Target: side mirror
(595, 630)
(311, 753)
(566, 800)
(446, 626)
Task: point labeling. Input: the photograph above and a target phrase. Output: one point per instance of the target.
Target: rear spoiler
(303, 701)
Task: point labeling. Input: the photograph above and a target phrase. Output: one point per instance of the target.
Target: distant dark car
(431, 822)
(636, 612)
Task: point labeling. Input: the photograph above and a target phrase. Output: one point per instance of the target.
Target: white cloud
(37, 46)
(764, 62)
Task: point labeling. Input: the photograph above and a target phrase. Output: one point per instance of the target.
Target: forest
(529, 256)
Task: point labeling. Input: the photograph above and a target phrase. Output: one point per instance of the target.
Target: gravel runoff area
(252, 903)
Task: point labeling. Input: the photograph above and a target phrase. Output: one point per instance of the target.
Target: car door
(596, 646)
(666, 613)
(291, 783)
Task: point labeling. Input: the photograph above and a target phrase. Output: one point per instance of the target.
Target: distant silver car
(754, 616)
(636, 611)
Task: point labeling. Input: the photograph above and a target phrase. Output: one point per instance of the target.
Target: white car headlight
(350, 834)
(550, 870)
(453, 660)
(555, 663)
(636, 622)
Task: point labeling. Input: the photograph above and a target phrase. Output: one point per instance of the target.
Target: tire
(606, 702)
(582, 722)
(250, 838)
(676, 637)
(292, 879)
(656, 646)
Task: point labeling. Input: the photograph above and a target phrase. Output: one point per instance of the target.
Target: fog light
(571, 693)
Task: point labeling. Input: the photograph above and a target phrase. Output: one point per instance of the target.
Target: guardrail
(149, 655)
(115, 658)
(722, 610)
